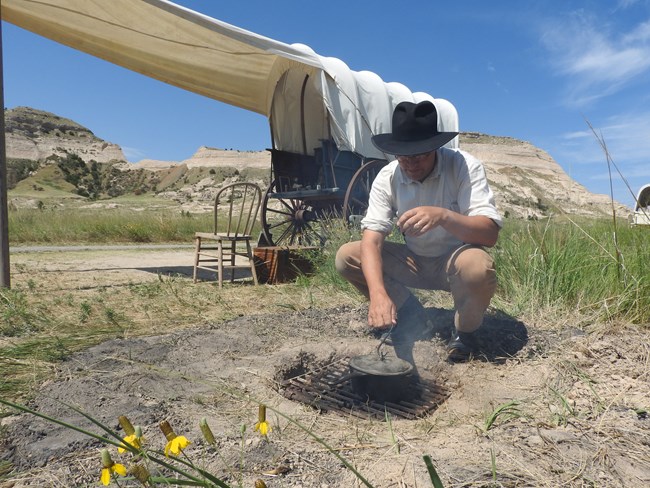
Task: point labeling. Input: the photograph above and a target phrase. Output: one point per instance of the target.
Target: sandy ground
(578, 416)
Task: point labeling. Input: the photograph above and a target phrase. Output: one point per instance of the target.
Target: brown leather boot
(461, 347)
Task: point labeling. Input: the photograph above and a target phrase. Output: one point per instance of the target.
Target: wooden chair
(235, 213)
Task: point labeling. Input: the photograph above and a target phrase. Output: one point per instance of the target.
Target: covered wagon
(641, 215)
(321, 114)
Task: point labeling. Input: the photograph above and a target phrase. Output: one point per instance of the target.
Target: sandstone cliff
(527, 182)
(35, 135)
(210, 157)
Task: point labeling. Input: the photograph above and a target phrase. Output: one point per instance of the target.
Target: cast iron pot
(381, 378)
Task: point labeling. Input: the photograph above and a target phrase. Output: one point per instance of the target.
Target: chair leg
(197, 253)
(251, 260)
(233, 256)
(220, 263)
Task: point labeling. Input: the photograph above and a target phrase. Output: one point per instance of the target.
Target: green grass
(502, 413)
(46, 183)
(552, 265)
(82, 226)
(574, 268)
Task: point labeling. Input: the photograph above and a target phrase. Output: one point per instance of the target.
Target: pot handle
(384, 338)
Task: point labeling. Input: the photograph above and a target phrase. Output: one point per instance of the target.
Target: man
(446, 213)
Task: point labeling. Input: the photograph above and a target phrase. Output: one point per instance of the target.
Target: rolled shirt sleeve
(381, 204)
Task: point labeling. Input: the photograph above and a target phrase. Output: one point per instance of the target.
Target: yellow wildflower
(130, 440)
(175, 443)
(110, 467)
(262, 425)
(116, 468)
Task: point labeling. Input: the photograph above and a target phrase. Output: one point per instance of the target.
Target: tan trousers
(467, 272)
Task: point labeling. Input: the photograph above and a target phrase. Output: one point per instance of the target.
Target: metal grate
(328, 389)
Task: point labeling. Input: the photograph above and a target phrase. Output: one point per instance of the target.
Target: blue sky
(540, 71)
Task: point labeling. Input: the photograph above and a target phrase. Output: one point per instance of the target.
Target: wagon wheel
(290, 221)
(355, 202)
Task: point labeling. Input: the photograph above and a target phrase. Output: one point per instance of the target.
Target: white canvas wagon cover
(643, 198)
(305, 96)
(641, 214)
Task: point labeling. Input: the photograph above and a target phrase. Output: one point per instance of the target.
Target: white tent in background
(641, 214)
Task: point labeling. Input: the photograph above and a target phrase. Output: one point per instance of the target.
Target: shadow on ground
(500, 337)
(202, 275)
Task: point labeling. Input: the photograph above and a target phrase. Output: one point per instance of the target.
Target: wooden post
(5, 280)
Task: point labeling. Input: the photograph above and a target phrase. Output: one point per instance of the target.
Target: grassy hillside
(31, 121)
(48, 182)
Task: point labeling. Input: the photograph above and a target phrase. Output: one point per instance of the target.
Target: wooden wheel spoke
(280, 212)
(291, 207)
(284, 234)
(294, 220)
(358, 192)
(319, 235)
(279, 224)
(359, 203)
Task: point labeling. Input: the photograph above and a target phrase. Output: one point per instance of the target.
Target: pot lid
(380, 365)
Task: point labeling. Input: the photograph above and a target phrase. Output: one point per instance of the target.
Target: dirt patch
(577, 400)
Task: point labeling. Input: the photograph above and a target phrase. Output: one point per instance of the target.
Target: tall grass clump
(337, 233)
(565, 266)
(70, 226)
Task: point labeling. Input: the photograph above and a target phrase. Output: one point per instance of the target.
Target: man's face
(418, 166)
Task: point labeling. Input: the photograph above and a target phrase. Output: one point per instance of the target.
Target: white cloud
(627, 139)
(626, 136)
(640, 34)
(626, 3)
(597, 60)
(133, 154)
(633, 175)
(576, 135)
(604, 63)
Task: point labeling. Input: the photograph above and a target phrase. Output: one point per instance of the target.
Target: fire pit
(329, 387)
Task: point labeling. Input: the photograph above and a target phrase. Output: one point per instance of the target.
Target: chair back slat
(241, 214)
(243, 201)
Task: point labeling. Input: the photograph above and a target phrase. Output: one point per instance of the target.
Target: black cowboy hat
(415, 130)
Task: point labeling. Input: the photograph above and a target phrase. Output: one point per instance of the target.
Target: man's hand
(381, 310)
(419, 220)
(382, 313)
(477, 229)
